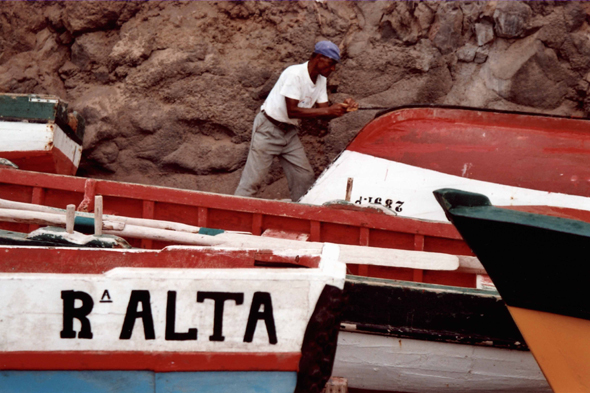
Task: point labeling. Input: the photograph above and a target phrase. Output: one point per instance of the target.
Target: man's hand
(337, 110)
(323, 109)
(350, 105)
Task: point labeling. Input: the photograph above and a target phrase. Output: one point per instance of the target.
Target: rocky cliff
(169, 89)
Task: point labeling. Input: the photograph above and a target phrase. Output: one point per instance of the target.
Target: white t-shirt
(294, 83)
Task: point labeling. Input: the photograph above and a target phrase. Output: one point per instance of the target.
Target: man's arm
(322, 110)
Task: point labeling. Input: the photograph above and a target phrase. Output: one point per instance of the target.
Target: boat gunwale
(320, 214)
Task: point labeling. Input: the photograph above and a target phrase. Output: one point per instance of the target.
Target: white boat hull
(407, 189)
(392, 364)
(40, 147)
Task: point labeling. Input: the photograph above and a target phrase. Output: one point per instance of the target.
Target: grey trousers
(267, 142)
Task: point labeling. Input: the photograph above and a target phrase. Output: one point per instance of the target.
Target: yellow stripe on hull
(561, 346)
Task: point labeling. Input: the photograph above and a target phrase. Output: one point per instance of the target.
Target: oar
(349, 254)
(86, 219)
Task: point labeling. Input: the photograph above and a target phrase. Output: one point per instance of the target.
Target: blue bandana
(328, 49)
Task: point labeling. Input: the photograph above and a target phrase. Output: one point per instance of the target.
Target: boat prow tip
(450, 198)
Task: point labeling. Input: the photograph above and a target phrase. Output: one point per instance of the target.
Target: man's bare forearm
(322, 110)
(302, 113)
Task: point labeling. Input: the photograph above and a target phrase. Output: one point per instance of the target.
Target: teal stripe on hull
(146, 382)
(227, 382)
(77, 381)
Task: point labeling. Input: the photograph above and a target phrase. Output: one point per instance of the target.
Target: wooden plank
(348, 189)
(364, 236)
(430, 312)
(230, 203)
(87, 204)
(37, 198)
(30, 107)
(257, 224)
(6, 204)
(418, 274)
(375, 363)
(350, 254)
(43, 180)
(98, 215)
(315, 231)
(203, 217)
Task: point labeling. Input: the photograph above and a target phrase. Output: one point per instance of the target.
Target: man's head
(328, 49)
(325, 56)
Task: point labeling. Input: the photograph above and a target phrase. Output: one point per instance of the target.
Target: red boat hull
(521, 150)
(320, 223)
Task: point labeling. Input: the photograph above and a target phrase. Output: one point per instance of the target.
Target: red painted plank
(203, 217)
(148, 212)
(87, 204)
(46, 180)
(37, 198)
(315, 231)
(235, 213)
(48, 161)
(154, 361)
(129, 192)
(257, 224)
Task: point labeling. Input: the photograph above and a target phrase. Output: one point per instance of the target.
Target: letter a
(132, 314)
(261, 299)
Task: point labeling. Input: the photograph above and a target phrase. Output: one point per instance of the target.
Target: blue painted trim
(146, 382)
(227, 382)
(77, 382)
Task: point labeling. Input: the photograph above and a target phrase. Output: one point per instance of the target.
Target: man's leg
(266, 143)
(297, 168)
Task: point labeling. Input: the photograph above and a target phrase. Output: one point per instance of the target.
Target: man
(299, 93)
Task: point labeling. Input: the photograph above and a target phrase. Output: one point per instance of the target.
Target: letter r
(81, 313)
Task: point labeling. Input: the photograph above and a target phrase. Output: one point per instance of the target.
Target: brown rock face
(169, 89)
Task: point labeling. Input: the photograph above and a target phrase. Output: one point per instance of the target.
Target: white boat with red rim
(39, 133)
(403, 155)
(102, 320)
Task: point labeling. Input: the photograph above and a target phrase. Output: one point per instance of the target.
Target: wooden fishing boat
(414, 337)
(39, 133)
(522, 253)
(402, 156)
(223, 319)
(307, 226)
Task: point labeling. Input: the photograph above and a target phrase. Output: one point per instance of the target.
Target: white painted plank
(348, 254)
(409, 188)
(66, 145)
(24, 137)
(32, 306)
(160, 224)
(20, 136)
